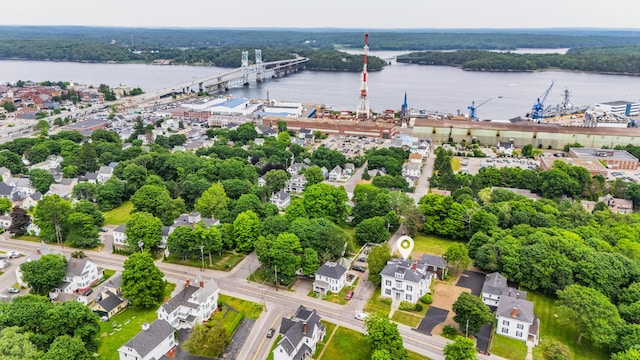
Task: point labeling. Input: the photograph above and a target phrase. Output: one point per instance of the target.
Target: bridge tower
(245, 68)
(363, 104)
(259, 66)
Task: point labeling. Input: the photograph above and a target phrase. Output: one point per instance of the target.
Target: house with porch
(297, 183)
(194, 304)
(281, 199)
(330, 277)
(80, 274)
(405, 280)
(300, 335)
(155, 341)
(517, 320)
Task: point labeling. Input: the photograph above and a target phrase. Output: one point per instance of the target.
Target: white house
(120, 237)
(104, 173)
(262, 181)
(335, 174)
(191, 219)
(349, 169)
(192, 305)
(405, 280)
(80, 275)
(300, 334)
(281, 199)
(295, 168)
(330, 277)
(5, 221)
(517, 320)
(506, 147)
(423, 148)
(411, 169)
(495, 286)
(297, 183)
(44, 249)
(154, 342)
(415, 158)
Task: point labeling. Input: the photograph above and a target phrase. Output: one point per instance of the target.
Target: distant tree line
(618, 60)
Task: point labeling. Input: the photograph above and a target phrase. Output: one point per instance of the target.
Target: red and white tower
(363, 103)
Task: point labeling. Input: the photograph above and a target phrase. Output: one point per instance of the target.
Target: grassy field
(348, 344)
(119, 215)
(344, 344)
(250, 309)
(408, 318)
(455, 164)
(377, 305)
(226, 262)
(28, 238)
(508, 348)
(430, 244)
(330, 328)
(553, 328)
(124, 326)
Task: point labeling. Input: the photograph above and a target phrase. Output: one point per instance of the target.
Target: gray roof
(91, 176)
(404, 267)
(524, 308)
(120, 228)
(36, 196)
(149, 339)
(75, 266)
(432, 260)
(331, 270)
(182, 298)
(282, 195)
(292, 329)
(115, 281)
(494, 283)
(5, 189)
(110, 301)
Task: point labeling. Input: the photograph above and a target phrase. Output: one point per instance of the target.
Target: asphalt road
(279, 303)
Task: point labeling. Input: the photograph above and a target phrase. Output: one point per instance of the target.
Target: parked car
(13, 254)
(87, 292)
(103, 229)
(362, 259)
(270, 332)
(361, 315)
(349, 295)
(13, 290)
(358, 268)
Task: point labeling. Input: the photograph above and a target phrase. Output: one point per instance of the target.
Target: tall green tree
(67, 347)
(44, 274)
(5, 205)
(461, 348)
(182, 241)
(276, 179)
(87, 159)
(143, 227)
(280, 255)
(208, 340)
(85, 191)
(83, 232)
(90, 209)
(16, 345)
(212, 201)
(471, 310)
(210, 238)
(457, 256)
(382, 334)
(142, 282)
(377, 260)
(20, 220)
(592, 313)
(372, 230)
(51, 215)
(246, 229)
(41, 180)
(310, 262)
(323, 200)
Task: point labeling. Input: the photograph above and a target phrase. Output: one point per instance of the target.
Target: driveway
(483, 337)
(433, 317)
(472, 280)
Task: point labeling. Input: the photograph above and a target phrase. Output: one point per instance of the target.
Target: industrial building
(615, 159)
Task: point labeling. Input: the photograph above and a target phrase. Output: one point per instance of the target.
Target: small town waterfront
(434, 88)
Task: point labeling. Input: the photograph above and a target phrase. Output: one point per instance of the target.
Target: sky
(357, 14)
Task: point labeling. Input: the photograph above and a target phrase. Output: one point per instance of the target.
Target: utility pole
(276, 273)
(467, 329)
(202, 257)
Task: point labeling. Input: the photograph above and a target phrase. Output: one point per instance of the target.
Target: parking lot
(472, 165)
(352, 146)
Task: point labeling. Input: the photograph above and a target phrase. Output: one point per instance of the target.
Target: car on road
(270, 332)
(361, 315)
(362, 259)
(103, 229)
(13, 254)
(13, 290)
(357, 268)
(87, 292)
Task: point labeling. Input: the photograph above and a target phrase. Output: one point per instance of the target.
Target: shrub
(426, 299)
(418, 307)
(386, 301)
(406, 306)
(449, 331)
(556, 351)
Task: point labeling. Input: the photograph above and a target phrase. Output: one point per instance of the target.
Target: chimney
(517, 295)
(74, 263)
(38, 251)
(187, 283)
(510, 293)
(413, 266)
(166, 299)
(514, 312)
(201, 284)
(145, 326)
(304, 328)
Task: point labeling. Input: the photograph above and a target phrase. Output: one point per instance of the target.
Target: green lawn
(376, 304)
(347, 344)
(508, 348)
(330, 327)
(119, 215)
(430, 244)
(129, 322)
(28, 238)
(553, 328)
(408, 318)
(226, 262)
(250, 309)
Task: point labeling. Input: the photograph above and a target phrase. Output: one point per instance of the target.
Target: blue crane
(538, 108)
(472, 109)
